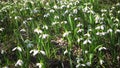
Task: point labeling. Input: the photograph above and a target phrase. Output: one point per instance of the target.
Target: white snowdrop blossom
(78, 65)
(66, 33)
(29, 19)
(34, 51)
(45, 27)
(79, 25)
(87, 41)
(117, 31)
(38, 31)
(42, 52)
(17, 48)
(102, 48)
(54, 23)
(46, 15)
(19, 63)
(44, 36)
(82, 65)
(80, 30)
(39, 65)
(101, 33)
(101, 61)
(64, 22)
(5, 67)
(17, 17)
(79, 39)
(23, 30)
(56, 17)
(88, 63)
(87, 34)
(65, 52)
(1, 29)
(109, 30)
(29, 45)
(3, 51)
(100, 27)
(86, 51)
(75, 11)
(52, 11)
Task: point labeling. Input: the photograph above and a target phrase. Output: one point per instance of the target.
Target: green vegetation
(60, 34)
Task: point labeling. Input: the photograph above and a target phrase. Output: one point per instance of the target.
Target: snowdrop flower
(86, 51)
(22, 30)
(24, 22)
(29, 19)
(42, 52)
(100, 27)
(19, 63)
(3, 51)
(79, 39)
(39, 65)
(29, 45)
(34, 51)
(45, 27)
(64, 22)
(55, 7)
(87, 34)
(52, 11)
(5, 67)
(118, 4)
(103, 10)
(44, 36)
(101, 61)
(46, 15)
(17, 48)
(101, 33)
(37, 31)
(118, 11)
(80, 30)
(88, 63)
(56, 17)
(65, 52)
(86, 41)
(78, 65)
(79, 25)
(75, 11)
(1, 29)
(54, 23)
(117, 31)
(66, 33)
(102, 48)
(109, 30)
(82, 65)
(17, 17)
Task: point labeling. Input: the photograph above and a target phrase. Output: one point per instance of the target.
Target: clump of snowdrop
(19, 63)
(17, 48)
(101, 33)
